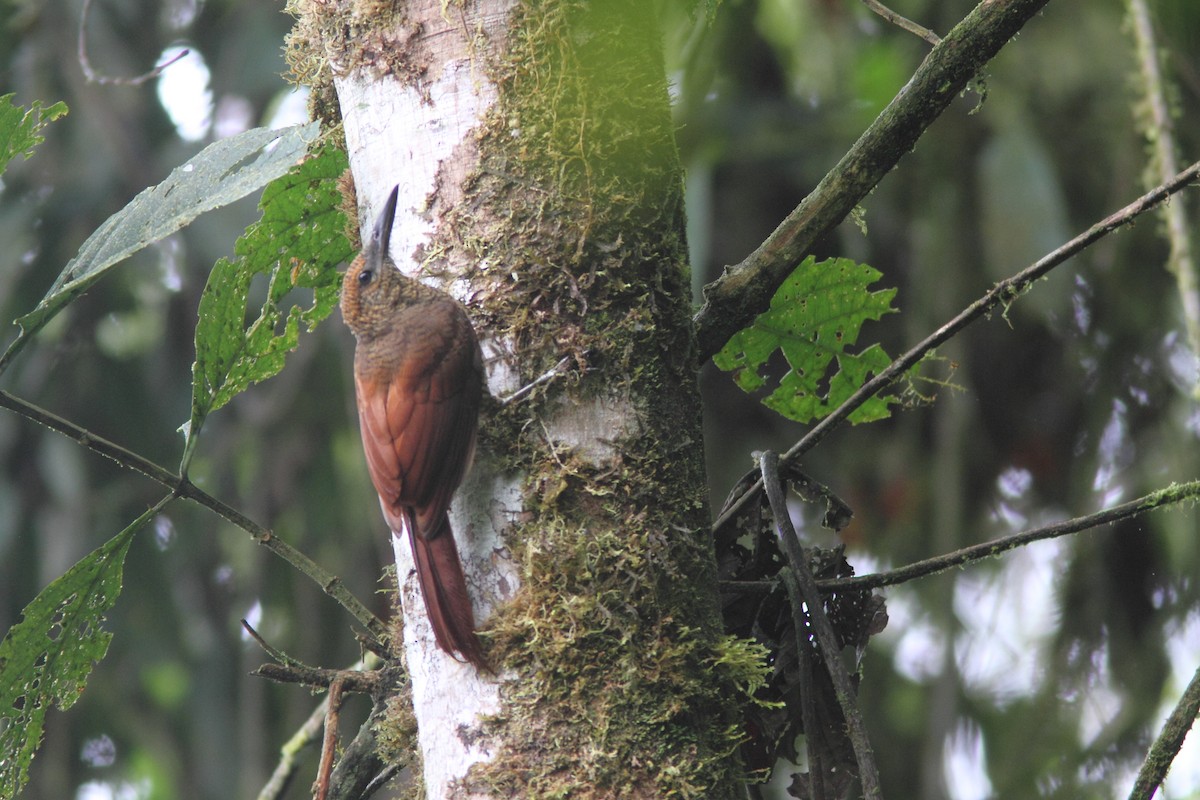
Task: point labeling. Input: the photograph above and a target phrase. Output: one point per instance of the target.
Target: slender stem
(329, 744)
(826, 638)
(1003, 293)
(903, 22)
(94, 77)
(97, 444)
(1166, 747)
(931, 566)
(181, 487)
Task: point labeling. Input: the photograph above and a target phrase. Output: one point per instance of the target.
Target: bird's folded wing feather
(418, 428)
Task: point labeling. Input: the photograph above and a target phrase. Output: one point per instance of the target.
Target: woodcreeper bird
(418, 377)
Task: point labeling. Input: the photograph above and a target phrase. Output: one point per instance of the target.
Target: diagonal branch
(1002, 293)
(745, 290)
(182, 487)
(1166, 747)
(903, 22)
(1173, 494)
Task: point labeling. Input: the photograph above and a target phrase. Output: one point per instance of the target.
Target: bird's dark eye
(366, 276)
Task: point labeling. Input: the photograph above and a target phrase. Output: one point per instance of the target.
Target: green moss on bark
(573, 227)
(570, 234)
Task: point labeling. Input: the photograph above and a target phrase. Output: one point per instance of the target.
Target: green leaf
(46, 657)
(814, 318)
(19, 129)
(221, 173)
(297, 244)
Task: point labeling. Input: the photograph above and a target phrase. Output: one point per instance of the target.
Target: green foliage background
(1079, 388)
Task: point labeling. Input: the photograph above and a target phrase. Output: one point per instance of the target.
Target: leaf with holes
(814, 319)
(296, 245)
(45, 659)
(221, 173)
(20, 128)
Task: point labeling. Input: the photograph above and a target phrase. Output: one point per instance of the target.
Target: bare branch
(363, 676)
(352, 680)
(182, 487)
(903, 22)
(745, 290)
(92, 76)
(329, 744)
(1173, 494)
(1166, 747)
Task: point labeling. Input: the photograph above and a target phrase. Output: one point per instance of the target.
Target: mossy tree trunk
(540, 183)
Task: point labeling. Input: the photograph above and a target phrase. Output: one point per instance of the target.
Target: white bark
(419, 133)
(410, 134)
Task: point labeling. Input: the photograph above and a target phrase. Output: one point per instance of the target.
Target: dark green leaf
(45, 658)
(297, 245)
(19, 129)
(814, 318)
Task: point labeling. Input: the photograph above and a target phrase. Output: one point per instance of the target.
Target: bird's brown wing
(418, 418)
(419, 422)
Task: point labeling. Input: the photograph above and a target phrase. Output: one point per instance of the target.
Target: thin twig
(1166, 747)
(352, 680)
(1002, 293)
(856, 729)
(903, 22)
(279, 656)
(97, 444)
(382, 778)
(538, 381)
(183, 488)
(94, 77)
(1158, 126)
(361, 770)
(1173, 494)
(329, 744)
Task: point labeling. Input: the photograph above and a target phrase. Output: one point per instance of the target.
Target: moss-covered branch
(1169, 742)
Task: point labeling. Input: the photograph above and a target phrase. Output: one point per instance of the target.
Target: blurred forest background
(1043, 674)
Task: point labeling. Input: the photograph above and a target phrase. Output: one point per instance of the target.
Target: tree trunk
(539, 182)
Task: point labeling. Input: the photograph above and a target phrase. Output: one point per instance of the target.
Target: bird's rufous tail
(444, 588)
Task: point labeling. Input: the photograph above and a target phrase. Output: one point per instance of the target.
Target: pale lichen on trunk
(539, 181)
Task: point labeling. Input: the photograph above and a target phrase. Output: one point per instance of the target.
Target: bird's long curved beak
(377, 250)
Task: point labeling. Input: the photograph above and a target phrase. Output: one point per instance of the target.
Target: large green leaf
(19, 129)
(221, 173)
(45, 659)
(296, 245)
(814, 319)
